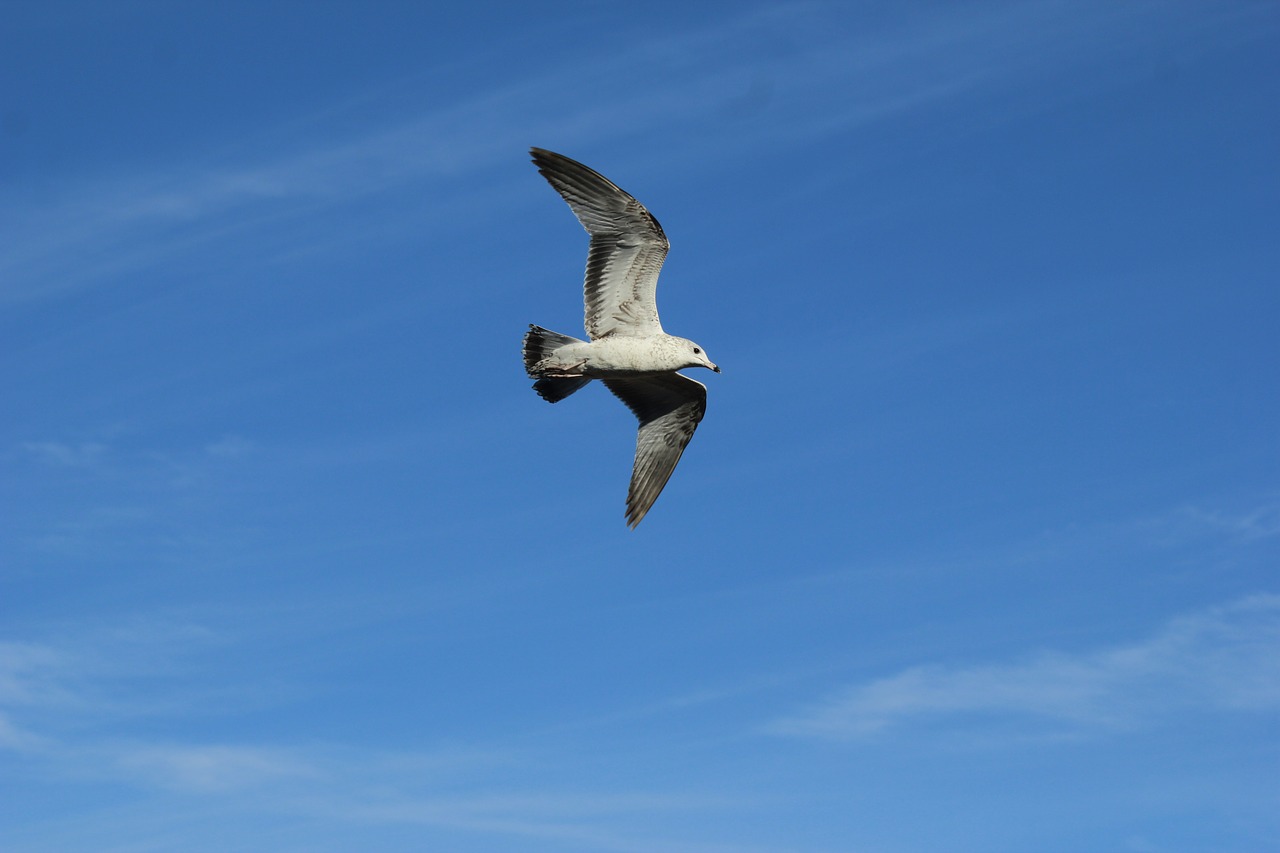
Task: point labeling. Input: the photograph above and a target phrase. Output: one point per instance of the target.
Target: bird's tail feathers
(539, 344)
(555, 389)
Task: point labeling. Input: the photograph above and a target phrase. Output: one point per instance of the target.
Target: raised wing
(669, 407)
(626, 253)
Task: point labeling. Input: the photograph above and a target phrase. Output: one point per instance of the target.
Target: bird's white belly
(616, 357)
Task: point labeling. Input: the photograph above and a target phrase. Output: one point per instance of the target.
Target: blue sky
(975, 550)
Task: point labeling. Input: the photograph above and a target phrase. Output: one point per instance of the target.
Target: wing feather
(626, 253)
(669, 407)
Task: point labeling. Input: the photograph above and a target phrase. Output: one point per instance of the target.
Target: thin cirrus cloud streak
(64, 455)
(208, 768)
(31, 684)
(1222, 660)
(362, 787)
(145, 219)
(583, 819)
(1260, 523)
(366, 788)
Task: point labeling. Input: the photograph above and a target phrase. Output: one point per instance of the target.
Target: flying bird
(628, 350)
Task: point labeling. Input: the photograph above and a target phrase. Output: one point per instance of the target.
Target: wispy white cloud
(66, 455)
(113, 491)
(80, 713)
(230, 447)
(28, 681)
(94, 232)
(17, 739)
(566, 816)
(209, 768)
(30, 675)
(1225, 659)
(1259, 522)
(52, 687)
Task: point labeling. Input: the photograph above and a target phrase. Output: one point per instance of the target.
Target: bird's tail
(540, 343)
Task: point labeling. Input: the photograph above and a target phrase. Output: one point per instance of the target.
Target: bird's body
(618, 356)
(628, 349)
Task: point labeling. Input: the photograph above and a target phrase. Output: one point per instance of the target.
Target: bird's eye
(697, 351)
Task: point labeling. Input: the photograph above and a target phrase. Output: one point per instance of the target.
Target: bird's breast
(614, 356)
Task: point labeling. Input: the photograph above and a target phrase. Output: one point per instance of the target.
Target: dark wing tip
(601, 206)
(551, 161)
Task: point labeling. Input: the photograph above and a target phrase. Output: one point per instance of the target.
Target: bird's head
(698, 357)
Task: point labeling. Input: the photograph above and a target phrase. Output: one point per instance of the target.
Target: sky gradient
(975, 549)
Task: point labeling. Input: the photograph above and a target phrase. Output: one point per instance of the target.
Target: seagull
(628, 351)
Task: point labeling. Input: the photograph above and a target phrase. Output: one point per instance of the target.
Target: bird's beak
(716, 369)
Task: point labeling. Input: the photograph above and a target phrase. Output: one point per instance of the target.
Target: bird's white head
(698, 356)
